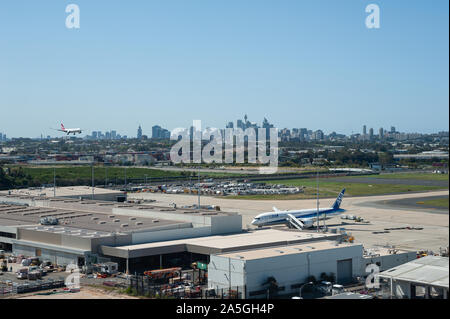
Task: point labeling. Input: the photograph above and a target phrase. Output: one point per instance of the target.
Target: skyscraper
(381, 133)
(392, 129)
(371, 133)
(139, 133)
(364, 130)
(266, 125)
(156, 131)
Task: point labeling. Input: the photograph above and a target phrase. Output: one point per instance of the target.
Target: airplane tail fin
(62, 127)
(338, 201)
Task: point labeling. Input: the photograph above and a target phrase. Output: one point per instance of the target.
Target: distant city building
(139, 133)
(268, 126)
(230, 125)
(318, 135)
(371, 133)
(303, 132)
(381, 133)
(156, 131)
(364, 130)
(285, 134)
(160, 133)
(240, 124)
(392, 129)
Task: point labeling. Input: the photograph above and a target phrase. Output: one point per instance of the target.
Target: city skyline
(293, 63)
(159, 132)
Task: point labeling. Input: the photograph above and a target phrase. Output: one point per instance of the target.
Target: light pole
(92, 181)
(318, 220)
(198, 192)
(54, 181)
(106, 176)
(301, 288)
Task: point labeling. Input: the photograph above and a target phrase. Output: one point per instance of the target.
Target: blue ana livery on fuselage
(305, 216)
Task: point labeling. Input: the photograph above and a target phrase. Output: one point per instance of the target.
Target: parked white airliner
(304, 217)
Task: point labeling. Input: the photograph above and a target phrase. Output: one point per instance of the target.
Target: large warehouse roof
(286, 250)
(31, 196)
(219, 243)
(429, 270)
(61, 191)
(15, 215)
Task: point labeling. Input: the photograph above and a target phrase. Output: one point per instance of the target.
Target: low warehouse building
(291, 266)
(203, 247)
(426, 277)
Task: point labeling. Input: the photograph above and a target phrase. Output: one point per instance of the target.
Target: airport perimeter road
(435, 232)
(244, 171)
(206, 170)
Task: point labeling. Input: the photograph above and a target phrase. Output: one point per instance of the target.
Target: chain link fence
(144, 286)
(11, 288)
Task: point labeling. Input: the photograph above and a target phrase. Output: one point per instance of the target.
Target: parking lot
(221, 188)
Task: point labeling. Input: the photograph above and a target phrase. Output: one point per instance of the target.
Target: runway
(391, 181)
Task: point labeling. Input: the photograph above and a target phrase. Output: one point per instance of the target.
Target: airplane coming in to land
(70, 130)
(303, 218)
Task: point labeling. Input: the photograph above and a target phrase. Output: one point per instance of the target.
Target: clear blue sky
(300, 63)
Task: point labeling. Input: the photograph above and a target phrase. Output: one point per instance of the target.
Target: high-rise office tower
(139, 133)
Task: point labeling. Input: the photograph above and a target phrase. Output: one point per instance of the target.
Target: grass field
(331, 189)
(441, 202)
(44, 175)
